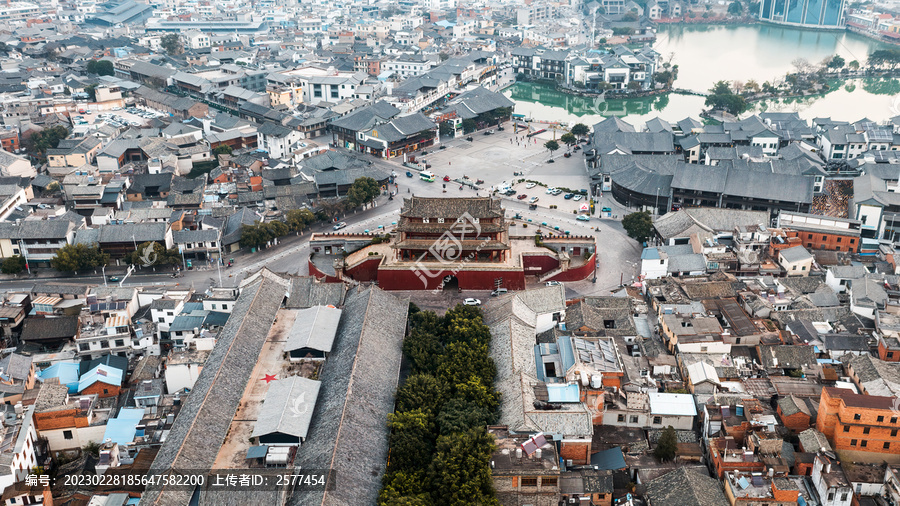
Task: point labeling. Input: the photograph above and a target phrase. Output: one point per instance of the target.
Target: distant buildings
(805, 14)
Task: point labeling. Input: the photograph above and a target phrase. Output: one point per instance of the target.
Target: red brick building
(889, 349)
(863, 424)
(794, 413)
(9, 139)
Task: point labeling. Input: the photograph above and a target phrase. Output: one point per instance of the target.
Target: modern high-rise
(810, 13)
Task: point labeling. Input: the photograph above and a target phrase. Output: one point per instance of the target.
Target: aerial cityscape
(450, 253)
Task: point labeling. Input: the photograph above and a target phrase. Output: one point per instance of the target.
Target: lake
(759, 52)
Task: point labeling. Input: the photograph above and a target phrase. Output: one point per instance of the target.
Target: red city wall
(366, 270)
(389, 279)
(577, 273)
(321, 276)
(546, 263)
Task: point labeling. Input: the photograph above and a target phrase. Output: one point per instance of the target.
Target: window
(852, 442)
(846, 428)
(893, 419)
(529, 481)
(120, 342)
(67, 435)
(809, 236)
(887, 446)
(794, 268)
(880, 418)
(853, 240)
(803, 268)
(548, 481)
(621, 418)
(839, 239)
(824, 237)
(866, 430)
(657, 420)
(161, 319)
(863, 443)
(890, 354)
(105, 390)
(634, 419)
(214, 306)
(857, 416)
(894, 433)
(830, 495)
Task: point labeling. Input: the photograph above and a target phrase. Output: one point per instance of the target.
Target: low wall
(321, 276)
(409, 279)
(367, 270)
(577, 273)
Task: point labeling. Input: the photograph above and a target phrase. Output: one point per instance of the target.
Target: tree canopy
(171, 42)
(76, 257)
(580, 129)
(152, 254)
(13, 265)
(722, 97)
(100, 67)
(440, 450)
(638, 225)
(735, 8)
(47, 138)
(551, 145)
(568, 139)
(667, 445)
(362, 191)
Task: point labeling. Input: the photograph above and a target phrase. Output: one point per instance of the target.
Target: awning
(257, 452)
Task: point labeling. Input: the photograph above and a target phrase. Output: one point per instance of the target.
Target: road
(492, 158)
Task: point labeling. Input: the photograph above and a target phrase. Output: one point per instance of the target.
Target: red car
(446, 178)
(522, 196)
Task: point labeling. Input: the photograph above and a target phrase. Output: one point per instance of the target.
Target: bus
(426, 176)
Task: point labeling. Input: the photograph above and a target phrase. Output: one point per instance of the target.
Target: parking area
(117, 118)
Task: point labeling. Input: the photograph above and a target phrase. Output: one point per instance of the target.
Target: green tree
(404, 487)
(622, 31)
(568, 139)
(479, 394)
(854, 65)
(100, 67)
(634, 85)
(47, 138)
(463, 360)
(445, 129)
(171, 42)
(13, 265)
(551, 146)
(735, 8)
(731, 103)
(299, 219)
(443, 56)
(638, 225)
(460, 415)
(362, 191)
(424, 350)
(720, 88)
(460, 471)
(411, 439)
(223, 149)
(580, 130)
(91, 91)
(422, 391)
(469, 125)
(667, 445)
(837, 62)
(76, 257)
(630, 17)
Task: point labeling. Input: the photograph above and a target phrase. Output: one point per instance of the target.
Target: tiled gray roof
(306, 291)
(202, 425)
(427, 207)
(684, 487)
(51, 328)
(36, 229)
(349, 431)
(132, 232)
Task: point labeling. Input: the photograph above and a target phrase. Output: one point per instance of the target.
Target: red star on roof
(269, 378)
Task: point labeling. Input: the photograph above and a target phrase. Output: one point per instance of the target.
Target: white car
(472, 302)
(577, 198)
(552, 283)
(340, 226)
(529, 186)
(532, 200)
(550, 190)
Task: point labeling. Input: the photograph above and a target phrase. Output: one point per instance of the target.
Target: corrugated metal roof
(288, 407)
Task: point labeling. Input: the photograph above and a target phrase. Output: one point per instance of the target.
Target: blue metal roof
(104, 373)
(67, 373)
(566, 354)
(563, 393)
(611, 459)
(257, 452)
(122, 428)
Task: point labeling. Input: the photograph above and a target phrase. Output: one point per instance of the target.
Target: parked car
(606, 210)
(529, 186)
(577, 197)
(532, 207)
(533, 200)
(550, 190)
(556, 191)
(498, 292)
(409, 174)
(114, 279)
(552, 283)
(472, 302)
(522, 197)
(488, 132)
(582, 217)
(340, 226)
(568, 196)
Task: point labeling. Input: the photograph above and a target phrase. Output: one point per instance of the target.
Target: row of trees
(79, 257)
(723, 97)
(440, 451)
(362, 191)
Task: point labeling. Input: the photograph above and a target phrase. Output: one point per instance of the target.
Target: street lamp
(104, 274)
(656, 207)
